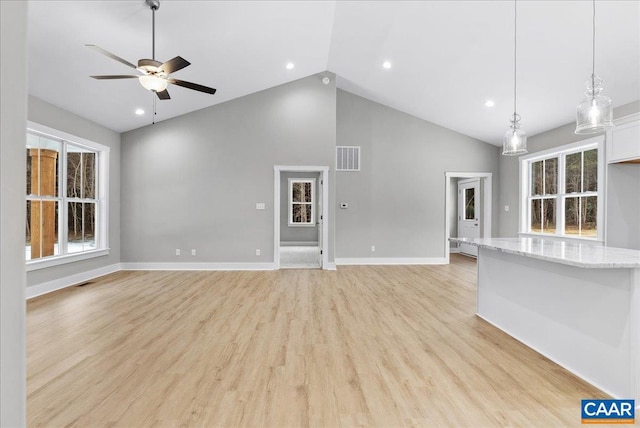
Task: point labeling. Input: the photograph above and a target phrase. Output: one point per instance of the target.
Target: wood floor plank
(362, 346)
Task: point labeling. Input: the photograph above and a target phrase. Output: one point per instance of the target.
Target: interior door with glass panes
(469, 210)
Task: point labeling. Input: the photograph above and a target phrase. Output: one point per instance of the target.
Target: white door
(319, 218)
(469, 210)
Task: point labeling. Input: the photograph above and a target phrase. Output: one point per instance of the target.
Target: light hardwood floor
(363, 346)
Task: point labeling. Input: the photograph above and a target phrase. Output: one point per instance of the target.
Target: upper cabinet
(623, 143)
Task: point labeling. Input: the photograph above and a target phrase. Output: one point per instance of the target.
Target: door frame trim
(487, 202)
(277, 172)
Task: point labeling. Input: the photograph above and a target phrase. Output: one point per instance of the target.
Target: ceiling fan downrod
(153, 5)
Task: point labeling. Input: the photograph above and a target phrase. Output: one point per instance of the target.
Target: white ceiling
(448, 56)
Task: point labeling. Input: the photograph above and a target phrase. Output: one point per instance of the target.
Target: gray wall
(295, 233)
(49, 115)
(13, 117)
(509, 167)
(192, 182)
(396, 201)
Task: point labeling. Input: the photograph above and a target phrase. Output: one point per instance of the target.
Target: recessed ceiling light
(489, 103)
(386, 65)
(290, 66)
(139, 112)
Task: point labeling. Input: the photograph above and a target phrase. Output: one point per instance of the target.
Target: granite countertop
(575, 253)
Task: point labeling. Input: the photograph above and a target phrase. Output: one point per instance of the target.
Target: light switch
(506, 207)
(260, 205)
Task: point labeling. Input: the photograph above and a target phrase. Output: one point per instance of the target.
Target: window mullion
(63, 209)
(560, 212)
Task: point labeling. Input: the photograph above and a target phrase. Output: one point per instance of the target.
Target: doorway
(469, 213)
(482, 201)
(300, 216)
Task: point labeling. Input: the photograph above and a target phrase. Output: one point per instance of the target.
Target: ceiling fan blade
(115, 76)
(174, 64)
(163, 95)
(110, 55)
(193, 86)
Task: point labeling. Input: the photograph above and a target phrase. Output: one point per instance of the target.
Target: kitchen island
(576, 303)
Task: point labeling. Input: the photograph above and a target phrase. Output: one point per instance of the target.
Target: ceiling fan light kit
(515, 139)
(154, 75)
(594, 114)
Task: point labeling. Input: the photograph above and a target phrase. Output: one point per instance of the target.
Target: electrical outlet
(373, 248)
(193, 252)
(177, 251)
(257, 251)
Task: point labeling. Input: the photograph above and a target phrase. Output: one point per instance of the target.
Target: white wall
(54, 117)
(193, 182)
(13, 120)
(397, 199)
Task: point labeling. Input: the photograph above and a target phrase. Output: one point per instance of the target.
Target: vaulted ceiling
(447, 57)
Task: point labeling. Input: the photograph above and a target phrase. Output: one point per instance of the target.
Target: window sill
(559, 237)
(302, 225)
(61, 260)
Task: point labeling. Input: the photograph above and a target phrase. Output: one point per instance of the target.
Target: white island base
(577, 304)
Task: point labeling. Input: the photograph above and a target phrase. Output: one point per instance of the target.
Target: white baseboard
(454, 250)
(69, 281)
(197, 266)
(392, 261)
(330, 266)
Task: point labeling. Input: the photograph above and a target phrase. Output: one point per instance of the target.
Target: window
(66, 197)
(560, 193)
(302, 202)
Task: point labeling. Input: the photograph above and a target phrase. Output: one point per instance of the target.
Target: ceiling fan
(154, 74)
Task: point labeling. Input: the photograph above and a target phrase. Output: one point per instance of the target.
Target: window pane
(89, 175)
(74, 174)
(536, 216)
(42, 169)
(573, 173)
(572, 216)
(296, 192)
(590, 171)
(301, 213)
(41, 229)
(537, 178)
(589, 216)
(81, 227)
(307, 192)
(549, 215)
(551, 176)
(469, 204)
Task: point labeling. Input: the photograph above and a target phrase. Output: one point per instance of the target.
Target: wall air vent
(348, 158)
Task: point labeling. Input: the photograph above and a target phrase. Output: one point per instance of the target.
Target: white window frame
(561, 153)
(101, 199)
(290, 204)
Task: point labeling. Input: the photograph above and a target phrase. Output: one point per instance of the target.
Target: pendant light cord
(593, 64)
(515, 53)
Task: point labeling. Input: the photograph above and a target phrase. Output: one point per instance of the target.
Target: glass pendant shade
(515, 139)
(594, 113)
(153, 83)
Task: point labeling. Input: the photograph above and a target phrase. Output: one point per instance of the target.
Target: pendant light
(515, 139)
(594, 113)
